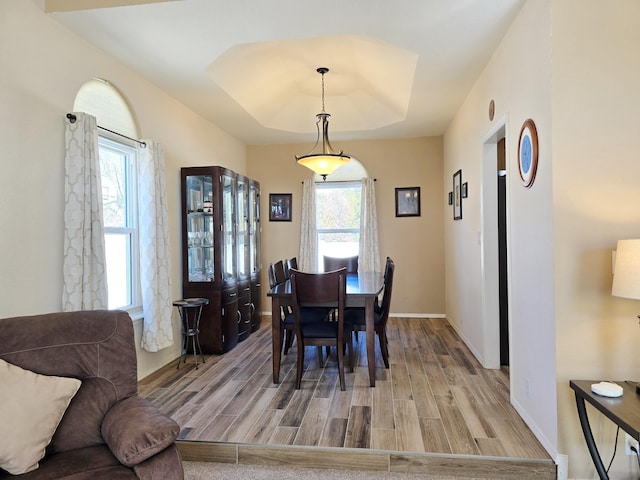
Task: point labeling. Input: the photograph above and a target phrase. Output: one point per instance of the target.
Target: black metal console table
(624, 411)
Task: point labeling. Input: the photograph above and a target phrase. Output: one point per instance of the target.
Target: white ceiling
(397, 68)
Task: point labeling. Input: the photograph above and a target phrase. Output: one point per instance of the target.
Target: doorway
(494, 237)
(503, 290)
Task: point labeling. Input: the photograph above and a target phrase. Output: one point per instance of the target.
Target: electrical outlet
(628, 443)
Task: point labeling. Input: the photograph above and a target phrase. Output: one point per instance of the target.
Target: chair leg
(299, 363)
(320, 357)
(341, 367)
(288, 340)
(382, 340)
(350, 349)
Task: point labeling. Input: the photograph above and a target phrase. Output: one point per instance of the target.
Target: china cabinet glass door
(228, 232)
(200, 239)
(243, 230)
(254, 227)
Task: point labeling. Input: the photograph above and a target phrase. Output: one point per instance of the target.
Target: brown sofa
(107, 431)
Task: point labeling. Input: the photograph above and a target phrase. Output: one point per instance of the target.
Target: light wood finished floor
(434, 399)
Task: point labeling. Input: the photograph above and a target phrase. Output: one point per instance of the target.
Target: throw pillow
(31, 407)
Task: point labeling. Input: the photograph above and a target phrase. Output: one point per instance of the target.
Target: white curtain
(155, 260)
(369, 250)
(308, 261)
(84, 264)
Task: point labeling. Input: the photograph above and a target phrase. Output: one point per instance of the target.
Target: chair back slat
(309, 289)
(292, 263)
(278, 269)
(335, 263)
(272, 276)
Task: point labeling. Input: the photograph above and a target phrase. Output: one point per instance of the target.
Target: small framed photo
(279, 207)
(408, 202)
(457, 195)
(465, 190)
(450, 198)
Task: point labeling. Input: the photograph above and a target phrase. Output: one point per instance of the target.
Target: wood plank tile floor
(435, 397)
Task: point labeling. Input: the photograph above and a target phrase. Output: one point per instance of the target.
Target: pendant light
(325, 161)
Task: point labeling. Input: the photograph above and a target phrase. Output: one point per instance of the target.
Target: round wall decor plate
(528, 153)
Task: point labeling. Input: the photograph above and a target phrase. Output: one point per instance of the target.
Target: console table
(624, 411)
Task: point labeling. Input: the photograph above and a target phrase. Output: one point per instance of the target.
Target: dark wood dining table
(362, 290)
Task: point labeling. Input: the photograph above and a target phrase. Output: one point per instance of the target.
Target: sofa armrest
(166, 465)
(135, 430)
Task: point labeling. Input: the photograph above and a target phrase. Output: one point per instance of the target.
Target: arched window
(102, 100)
(118, 174)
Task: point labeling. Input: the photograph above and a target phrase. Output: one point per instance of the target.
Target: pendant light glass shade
(324, 160)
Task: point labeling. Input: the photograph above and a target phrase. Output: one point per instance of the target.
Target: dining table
(362, 290)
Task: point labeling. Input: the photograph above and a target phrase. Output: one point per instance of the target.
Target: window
(338, 219)
(101, 99)
(118, 177)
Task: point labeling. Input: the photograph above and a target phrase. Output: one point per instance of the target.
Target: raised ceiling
(397, 69)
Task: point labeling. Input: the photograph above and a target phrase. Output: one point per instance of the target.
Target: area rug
(229, 471)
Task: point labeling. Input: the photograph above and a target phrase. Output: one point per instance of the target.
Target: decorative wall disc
(528, 153)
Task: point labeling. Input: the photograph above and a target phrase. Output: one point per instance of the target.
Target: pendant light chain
(323, 93)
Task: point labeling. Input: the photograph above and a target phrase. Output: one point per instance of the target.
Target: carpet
(229, 471)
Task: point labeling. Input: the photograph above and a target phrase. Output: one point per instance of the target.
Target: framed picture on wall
(528, 153)
(457, 195)
(279, 207)
(408, 202)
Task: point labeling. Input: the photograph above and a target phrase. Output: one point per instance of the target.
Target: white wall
(596, 174)
(518, 79)
(43, 65)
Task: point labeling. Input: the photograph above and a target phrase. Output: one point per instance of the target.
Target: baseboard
(371, 460)
(395, 315)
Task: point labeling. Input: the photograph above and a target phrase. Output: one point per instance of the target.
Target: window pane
(338, 207)
(338, 219)
(113, 175)
(118, 253)
(338, 244)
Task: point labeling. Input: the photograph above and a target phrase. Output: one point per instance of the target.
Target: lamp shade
(626, 276)
(323, 164)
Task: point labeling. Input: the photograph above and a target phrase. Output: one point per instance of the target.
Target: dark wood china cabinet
(216, 261)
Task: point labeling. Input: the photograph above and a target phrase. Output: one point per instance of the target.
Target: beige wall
(518, 79)
(571, 66)
(43, 65)
(596, 125)
(415, 243)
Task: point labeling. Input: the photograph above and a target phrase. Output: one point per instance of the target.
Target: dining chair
(271, 275)
(285, 265)
(278, 270)
(313, 314)
(312, 290)
(292, 263)
(334, 263)
(356, 316)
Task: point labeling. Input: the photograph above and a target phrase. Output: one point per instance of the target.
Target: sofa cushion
(31, 407)
(90, 463)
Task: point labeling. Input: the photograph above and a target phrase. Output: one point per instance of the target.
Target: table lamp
(626, 273)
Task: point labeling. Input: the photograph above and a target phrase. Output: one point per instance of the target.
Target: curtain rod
(72, 118)
(345, 181)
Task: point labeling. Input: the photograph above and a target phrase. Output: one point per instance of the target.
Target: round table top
(191, 302)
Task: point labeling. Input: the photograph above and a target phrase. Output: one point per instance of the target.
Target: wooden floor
(435, 400)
